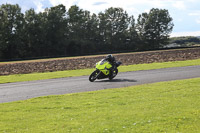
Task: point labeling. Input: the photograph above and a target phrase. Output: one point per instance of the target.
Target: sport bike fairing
(103, 66)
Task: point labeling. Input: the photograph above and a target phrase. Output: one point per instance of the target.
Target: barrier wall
(90, 61)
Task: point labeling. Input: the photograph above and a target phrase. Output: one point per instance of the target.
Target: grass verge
(82, 72)
(160, 107)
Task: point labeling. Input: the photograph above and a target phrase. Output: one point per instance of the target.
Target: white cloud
(198, 21)
(185, 13)
(194, 13)
(67, 3)
(177, 34)
(26, 4)
(39, 5)
(180, 20)
(133, 7)
(192, 0)
(159, 3)
(179, 5)
(91, 5)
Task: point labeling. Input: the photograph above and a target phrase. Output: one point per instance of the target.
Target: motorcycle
(103, 70)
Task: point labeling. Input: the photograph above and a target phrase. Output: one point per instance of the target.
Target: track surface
(25, 90)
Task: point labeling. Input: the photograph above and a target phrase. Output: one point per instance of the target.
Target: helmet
(110, 58)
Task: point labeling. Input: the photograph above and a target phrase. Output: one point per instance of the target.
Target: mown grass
(82, 72)
(139, 67)
(160, 107)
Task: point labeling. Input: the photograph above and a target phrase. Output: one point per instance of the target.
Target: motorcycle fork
(98, 74)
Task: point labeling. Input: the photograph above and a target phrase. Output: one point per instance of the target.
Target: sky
(185, 13)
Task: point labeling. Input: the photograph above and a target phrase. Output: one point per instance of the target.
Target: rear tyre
(114, 74)
(93, 76)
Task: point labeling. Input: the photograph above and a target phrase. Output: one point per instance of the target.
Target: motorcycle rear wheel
(114, 74)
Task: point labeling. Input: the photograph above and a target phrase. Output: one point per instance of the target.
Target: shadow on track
(117, 80)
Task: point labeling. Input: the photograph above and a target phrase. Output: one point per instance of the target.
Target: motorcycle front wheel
(93, 76)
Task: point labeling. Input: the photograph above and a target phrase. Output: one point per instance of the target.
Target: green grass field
(170, 107)
(71, 73)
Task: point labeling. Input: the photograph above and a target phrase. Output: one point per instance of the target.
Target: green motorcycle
(103, 69)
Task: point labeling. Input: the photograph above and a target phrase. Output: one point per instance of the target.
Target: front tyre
(93, 76)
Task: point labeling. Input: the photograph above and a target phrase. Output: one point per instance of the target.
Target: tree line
(61, 32)
(185, 41)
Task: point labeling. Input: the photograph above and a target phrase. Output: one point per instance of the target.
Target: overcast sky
(185, 13)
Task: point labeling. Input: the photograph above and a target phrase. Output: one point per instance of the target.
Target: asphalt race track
(25, 90)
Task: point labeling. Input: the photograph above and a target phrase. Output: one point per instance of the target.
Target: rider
(112, 61)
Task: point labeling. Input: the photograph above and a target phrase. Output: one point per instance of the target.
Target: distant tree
(76, 22)
(56, 30)
(185, 41)
(132, 40)
(154, 28)
(11, 32)
(33, 33)
(60, 32)
(82, 30)
(90, 41)
(114, 25)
